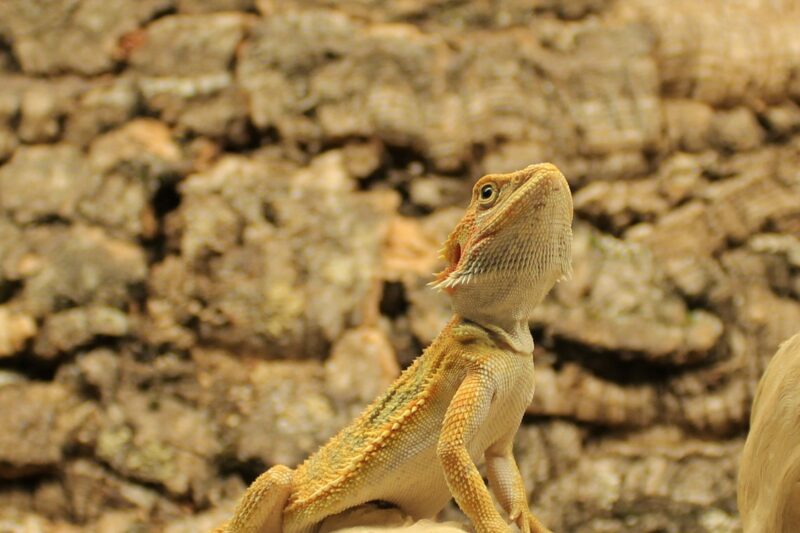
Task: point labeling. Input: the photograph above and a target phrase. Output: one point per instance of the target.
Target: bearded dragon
(769, 470)
(463, 399)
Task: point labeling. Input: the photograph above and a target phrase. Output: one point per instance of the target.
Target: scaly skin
(769, 471)
(463, 399)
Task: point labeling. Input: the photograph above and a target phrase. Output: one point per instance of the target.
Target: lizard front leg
(507, 485)
(466, 413)
(261, 508)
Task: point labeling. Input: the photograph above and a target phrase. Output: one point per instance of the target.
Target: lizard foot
(527, 523)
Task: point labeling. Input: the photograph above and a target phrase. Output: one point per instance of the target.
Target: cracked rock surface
(218, 219)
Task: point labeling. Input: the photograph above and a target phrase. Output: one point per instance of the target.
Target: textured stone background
(217, 219)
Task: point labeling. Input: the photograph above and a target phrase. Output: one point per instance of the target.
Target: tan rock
(574, 393)
(143, 142)
(15, 330)
(619, 300)
(281, 265)
(409, 250)
(736, 130)
(33, 438)
(77, 264)
(283, 413)
(91, 27)
(61, 170)
(361, 366)
(133, 441)
(66, 330)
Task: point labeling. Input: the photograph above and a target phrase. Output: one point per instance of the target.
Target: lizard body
(463, 399)
(769, 470)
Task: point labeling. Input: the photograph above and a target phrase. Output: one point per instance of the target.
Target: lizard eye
(488, 193)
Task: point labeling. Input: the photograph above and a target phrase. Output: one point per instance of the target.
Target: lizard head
(512, 245)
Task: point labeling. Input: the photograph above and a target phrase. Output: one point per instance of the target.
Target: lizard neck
(503, 304)
(514, 333)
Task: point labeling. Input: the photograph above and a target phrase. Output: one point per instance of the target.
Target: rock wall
(218, 217)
